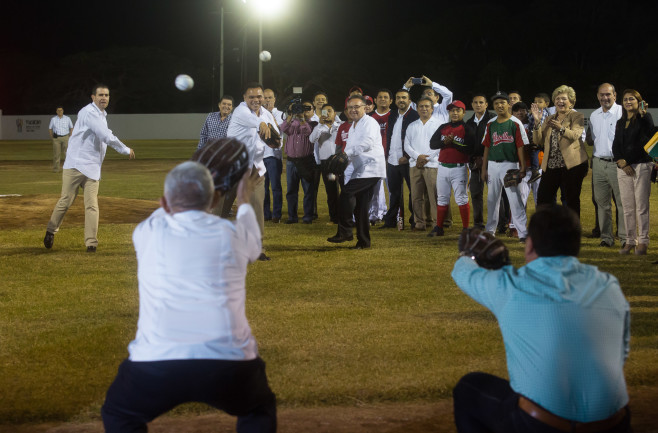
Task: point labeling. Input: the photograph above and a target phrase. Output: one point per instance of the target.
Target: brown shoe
(641, 249)
(626, 249)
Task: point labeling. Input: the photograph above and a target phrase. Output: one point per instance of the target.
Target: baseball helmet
(227, 160)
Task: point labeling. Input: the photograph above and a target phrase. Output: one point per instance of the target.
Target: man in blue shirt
(566, 329)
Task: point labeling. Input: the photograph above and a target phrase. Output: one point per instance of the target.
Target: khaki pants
(72, 179)
(605, 184)
(634, 191)
(423, 181)
(60, 144)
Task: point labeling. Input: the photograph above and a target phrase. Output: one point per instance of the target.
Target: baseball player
(456, 143)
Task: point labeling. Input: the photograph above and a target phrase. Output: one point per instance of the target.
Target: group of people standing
(429, 145)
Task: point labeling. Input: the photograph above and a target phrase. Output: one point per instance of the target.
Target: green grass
(335, 326)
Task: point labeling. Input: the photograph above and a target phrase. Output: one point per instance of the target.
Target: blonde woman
(565, 159)
(633, 131)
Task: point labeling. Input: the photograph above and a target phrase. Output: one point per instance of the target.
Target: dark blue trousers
(142, 391)
(274, 168)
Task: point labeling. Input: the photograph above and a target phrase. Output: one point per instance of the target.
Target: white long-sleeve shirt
(365, 150)
(324, 140)
(192, 268)
(602, 127)
(244, 126)
(417, 141)
(440, 109)
(88, 144)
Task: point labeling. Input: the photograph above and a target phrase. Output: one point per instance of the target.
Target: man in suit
(478, 123)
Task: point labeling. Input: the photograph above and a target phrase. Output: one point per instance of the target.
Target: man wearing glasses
(366, 153)
(300, 162)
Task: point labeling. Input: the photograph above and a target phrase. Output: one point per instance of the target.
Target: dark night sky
(54, 51)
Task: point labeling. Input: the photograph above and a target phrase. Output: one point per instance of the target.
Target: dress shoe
(263, 257)
(291, 222)
(276, 220)
(522, 240)
(49, 240)
(307, 221)
(91, 249)
(641, 249)
(604, 244)
(339, 239)
(626, 249)
(359, 246)
(436, 231)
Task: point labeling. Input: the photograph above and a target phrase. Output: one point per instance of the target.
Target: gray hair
(189, 185)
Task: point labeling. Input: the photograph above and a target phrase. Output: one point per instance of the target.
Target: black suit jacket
(410, 116)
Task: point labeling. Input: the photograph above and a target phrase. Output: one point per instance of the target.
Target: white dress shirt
(277, 153)
(244, 126)
(417, 141)
(365, 150)
(395, 146)
(191, 269)
(602, 127)
(440, 109)
(88, 143)
(324, 140)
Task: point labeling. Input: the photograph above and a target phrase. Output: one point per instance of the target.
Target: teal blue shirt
(566, 330)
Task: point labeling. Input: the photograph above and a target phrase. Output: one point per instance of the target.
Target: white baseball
(265, 56)
(184, 82)
(331, 176)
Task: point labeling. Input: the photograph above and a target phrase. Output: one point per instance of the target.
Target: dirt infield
(34, 210)
(384, 418)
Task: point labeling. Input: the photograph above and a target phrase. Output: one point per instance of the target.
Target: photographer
(300, 160)
(323, 138)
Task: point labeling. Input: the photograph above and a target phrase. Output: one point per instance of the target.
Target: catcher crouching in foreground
(193, 340)
(566, 329)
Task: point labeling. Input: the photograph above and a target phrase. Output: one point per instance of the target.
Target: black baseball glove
(337, 163)
(488, 252)
(275, 139)
(512, 178)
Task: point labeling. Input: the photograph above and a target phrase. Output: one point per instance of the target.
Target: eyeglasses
(308, 108)
(355, 107)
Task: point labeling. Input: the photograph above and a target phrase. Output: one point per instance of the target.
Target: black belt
(606, 159)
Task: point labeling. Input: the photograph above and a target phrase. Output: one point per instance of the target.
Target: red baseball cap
(457, 104)
(369, 100)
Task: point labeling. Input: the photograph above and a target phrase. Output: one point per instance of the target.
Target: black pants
(331, 188)
(144, 390)
(487, 404)
(569, 182)
(356, 194)
(396, 175)
(476, 186)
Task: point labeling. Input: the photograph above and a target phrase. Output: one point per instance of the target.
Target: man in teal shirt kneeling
(566, 329)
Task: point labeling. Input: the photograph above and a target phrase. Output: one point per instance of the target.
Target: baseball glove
(512, 178)
(488, 252)
(275, 138)
(337, 163)
(226, 159)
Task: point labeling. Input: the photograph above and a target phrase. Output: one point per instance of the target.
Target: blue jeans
(292, 195)
(274, 168)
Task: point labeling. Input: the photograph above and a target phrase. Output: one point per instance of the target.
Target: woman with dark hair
(565, 158)
(633, 131)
